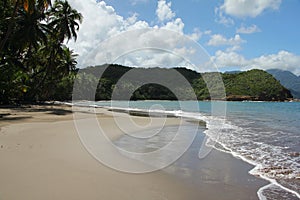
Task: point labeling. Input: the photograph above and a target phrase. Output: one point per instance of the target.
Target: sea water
(264, 134)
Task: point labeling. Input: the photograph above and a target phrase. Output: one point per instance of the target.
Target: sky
(232, 34)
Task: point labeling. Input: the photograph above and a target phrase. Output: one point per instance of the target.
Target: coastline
(43, 157)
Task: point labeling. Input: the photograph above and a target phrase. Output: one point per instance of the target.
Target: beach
(42, 157)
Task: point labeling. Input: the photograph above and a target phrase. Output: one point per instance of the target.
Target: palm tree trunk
(10, 26)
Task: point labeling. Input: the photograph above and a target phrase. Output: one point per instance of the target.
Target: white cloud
(197, 34)
(176, 25)
(106, 8)
(219, 40)
(207, 32)
(145, 48)
(164, 11)
(101, 23)
(221, 19)
(282, 60)
(225, 59)
(248, 30)
(248, 8)
(134, 2)
(98, 21)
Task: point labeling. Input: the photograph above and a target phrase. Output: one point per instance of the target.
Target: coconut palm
(65, 20)
(34, 61)
(30, 30)
(29, 6)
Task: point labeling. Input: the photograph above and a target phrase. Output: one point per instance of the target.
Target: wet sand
(42, 158)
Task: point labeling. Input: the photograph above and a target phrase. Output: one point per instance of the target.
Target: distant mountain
(288, 80)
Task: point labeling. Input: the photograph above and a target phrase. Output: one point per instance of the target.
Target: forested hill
(255, 85)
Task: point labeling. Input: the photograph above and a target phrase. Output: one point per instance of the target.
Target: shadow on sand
(17, 112)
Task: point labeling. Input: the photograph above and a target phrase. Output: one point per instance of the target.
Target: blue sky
(237, 34)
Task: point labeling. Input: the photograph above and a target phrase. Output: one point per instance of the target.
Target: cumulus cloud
(282, 60)
(248, 8)
(196, 35)
(222, 19)
(225, 59)
(219, 40)
(105, 36)
(150, 47)
(248, 30)
(164, 11)
(176, 25)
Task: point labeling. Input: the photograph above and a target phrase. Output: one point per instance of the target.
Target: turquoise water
(265, 134)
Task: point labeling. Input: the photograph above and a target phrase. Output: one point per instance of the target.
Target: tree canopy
(255, 85)
(34, 60)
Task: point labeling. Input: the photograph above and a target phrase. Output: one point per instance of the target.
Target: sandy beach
(42, 157)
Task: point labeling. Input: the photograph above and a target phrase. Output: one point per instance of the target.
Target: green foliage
(153, 91)
(138, 83)
(35, 65)
(200, 89)
(86, 86)
(64, 20)
(254, 85)
(250, 85)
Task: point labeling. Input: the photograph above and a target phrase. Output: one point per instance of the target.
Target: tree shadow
(60, 112)
(42, 109)
(15, 118)
(50, 111)
(4, 115)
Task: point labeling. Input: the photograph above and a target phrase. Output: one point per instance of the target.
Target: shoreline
(253, 171)
(43, 158)
(58, 121)
(271, 181)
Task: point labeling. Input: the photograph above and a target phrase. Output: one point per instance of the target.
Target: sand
(42, 157)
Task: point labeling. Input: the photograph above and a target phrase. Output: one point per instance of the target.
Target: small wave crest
(272, 162)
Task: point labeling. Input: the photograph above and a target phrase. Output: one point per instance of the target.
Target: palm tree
(32, 53)
(65, 20)
(30, 31)
(29, 6)
(69, 60)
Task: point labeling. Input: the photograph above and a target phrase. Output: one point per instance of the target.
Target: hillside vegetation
(254, 85)
(168, 84)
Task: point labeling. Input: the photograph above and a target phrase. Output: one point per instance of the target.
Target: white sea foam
(270, 161)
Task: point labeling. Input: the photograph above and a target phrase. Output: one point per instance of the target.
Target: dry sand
(41, 157)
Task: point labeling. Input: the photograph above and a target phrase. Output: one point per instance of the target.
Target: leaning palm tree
(65, 20)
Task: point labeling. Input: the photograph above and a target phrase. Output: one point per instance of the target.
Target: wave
(270, 162)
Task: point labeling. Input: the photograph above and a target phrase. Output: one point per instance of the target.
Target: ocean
(263, 134)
